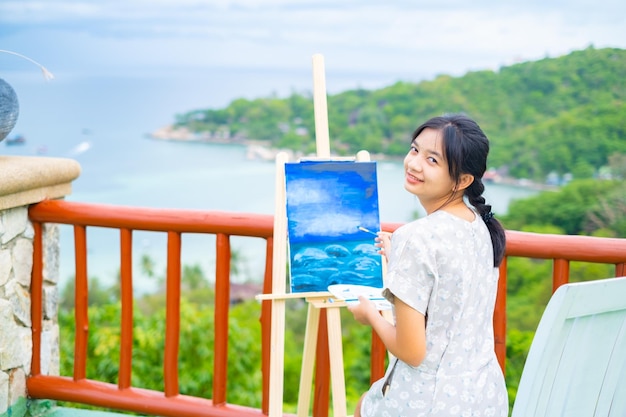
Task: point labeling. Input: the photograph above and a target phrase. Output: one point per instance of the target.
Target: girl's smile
(410, 178)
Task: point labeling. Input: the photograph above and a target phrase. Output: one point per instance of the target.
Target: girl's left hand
(363, 310)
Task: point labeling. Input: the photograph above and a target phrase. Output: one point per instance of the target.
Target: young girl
(442, 278)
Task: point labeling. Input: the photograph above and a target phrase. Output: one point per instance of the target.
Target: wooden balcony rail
(123, 396)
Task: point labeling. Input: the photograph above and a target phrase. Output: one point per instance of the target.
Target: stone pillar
(25, 181)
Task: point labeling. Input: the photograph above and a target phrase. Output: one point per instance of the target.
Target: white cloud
(329, 224)
(306, 192)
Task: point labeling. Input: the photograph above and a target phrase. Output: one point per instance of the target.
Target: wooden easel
(316, 300)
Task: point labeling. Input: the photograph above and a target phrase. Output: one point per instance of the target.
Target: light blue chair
(576, 366)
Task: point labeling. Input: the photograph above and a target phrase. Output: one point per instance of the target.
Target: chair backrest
(576, 366)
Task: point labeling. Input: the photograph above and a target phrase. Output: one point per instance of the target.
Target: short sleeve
(411, 270)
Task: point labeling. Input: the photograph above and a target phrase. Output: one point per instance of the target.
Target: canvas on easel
(332, 212)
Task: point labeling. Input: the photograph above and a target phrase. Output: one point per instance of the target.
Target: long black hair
(466, 148)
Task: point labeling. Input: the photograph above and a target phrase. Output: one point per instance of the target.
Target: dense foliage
(557, 115)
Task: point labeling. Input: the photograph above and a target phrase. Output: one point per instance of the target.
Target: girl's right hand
(383, 243)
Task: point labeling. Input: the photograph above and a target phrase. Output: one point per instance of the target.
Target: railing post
(266, 331)
(560, 273)
(322, 369)
(222, 303)
(36, 298)
(377, 360)
(499, 316)
(126, 297)
(81, 303)
(172, 320)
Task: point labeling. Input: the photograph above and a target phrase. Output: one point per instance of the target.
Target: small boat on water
(17, 140)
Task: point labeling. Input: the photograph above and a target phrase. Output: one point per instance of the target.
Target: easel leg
(336, 361)
(277, 356)
(308, 360)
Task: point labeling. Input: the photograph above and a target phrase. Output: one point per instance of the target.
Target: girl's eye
(431, 159)
(413, 149)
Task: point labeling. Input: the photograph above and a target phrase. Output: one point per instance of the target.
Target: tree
(566, 208)
(608, 214)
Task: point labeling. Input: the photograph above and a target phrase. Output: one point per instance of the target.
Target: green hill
(556, 115)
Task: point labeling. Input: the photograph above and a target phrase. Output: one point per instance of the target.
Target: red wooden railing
(123, 396)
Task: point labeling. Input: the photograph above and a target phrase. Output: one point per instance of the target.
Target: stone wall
(25, 181)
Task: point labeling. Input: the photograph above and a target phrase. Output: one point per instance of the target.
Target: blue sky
(411, 40)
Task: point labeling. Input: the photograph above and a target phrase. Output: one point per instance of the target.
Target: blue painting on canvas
(327, 202)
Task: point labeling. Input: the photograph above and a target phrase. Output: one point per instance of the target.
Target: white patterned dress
(442, 266)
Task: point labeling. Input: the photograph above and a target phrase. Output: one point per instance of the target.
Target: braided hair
(466, 148)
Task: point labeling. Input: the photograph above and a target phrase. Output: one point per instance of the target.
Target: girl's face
(426, 172)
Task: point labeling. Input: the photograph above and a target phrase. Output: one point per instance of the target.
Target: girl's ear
(465, 180)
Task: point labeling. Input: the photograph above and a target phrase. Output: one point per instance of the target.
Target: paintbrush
(363, 229)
